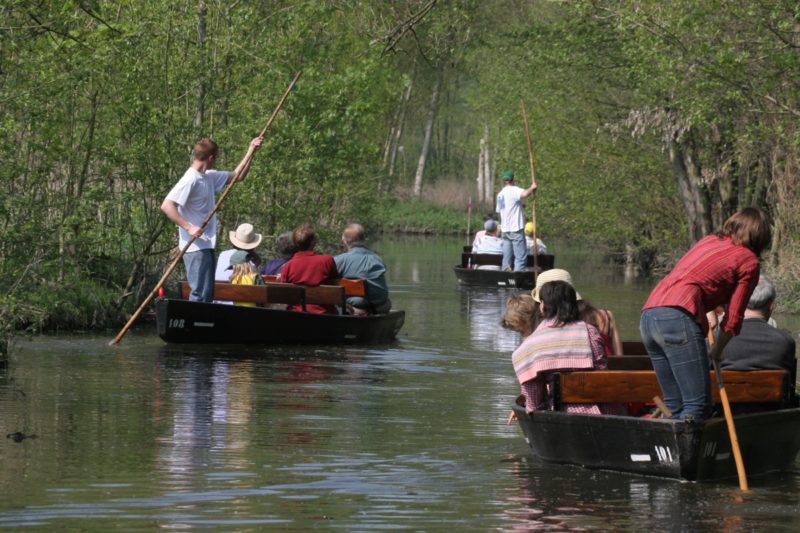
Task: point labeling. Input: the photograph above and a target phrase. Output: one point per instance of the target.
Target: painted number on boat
(176, 323)
(664, 454)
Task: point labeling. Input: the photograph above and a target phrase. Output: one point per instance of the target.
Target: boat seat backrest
(622, 386)
(326, 295)
(274, 293)
(352, 287)
(285, 293)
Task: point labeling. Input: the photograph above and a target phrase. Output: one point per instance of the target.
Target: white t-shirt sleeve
(180, 192)
(220, 178)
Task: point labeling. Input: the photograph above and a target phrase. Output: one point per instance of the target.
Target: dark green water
(410, 436)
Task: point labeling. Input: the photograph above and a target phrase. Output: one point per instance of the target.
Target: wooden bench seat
(276, 293)
(273, 293)
(352, 287)
(622, 386)
(326, 295)
(468, 260)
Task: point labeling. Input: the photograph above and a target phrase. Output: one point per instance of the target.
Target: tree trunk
(488, 174)
(481, 166)
(690, 188)
(201, 72)
(401, 121)
(426, 143)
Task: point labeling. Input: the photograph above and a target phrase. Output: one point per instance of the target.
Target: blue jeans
(200, 274)
(677, 348)
(514, 247)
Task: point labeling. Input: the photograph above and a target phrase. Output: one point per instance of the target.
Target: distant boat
(468, 273)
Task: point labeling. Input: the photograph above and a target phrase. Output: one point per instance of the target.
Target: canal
(406, 436)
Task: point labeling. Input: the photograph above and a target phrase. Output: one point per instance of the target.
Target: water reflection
(411, 435)
(485, 307)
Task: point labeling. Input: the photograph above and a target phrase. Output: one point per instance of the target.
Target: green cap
(239, 257)
(508, 175)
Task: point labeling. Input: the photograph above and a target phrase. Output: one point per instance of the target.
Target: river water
(408, 436)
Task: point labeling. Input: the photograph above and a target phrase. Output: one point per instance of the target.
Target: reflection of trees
(485, 308)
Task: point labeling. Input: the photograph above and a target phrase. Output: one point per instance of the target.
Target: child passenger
(560, 342)
(244, 273)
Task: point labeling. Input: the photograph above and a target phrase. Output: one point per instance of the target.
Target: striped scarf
(550, 349)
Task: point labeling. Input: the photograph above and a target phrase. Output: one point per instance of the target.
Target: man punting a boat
(188, 204)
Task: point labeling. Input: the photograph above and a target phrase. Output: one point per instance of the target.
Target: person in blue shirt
(361, 262)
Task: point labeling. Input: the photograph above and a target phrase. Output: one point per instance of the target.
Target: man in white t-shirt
(188, 204)
(512, 221)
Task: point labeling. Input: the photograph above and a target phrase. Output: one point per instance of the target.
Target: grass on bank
(442, 209)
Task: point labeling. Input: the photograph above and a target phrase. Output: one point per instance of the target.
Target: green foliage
(422, 216)
(101, 103)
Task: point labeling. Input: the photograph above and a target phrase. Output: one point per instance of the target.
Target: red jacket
(309, 268)
(713, 272)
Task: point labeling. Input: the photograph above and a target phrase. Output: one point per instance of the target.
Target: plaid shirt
(538, 393)
(713, 272)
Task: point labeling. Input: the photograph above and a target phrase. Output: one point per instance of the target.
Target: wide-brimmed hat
(554, 274)
(245, 237)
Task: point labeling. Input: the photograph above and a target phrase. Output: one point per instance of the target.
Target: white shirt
(541, 249)
(489, 244)
(195, 194)
(223, 262)
(509, 205)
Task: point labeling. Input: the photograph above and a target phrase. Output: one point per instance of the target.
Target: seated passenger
(361, 262)
(541, 249)
(760, 346)
(285, 248)
(479, 235)
(561, 342)
(490, 243)
(243, 273)
(309, 268)
(602, 319)
(244, 238)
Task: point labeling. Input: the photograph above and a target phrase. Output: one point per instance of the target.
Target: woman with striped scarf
(560, 342)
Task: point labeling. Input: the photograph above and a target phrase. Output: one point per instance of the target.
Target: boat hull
(183, 321)
(769, 442)
(500, 278)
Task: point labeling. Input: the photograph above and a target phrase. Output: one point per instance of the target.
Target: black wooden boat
(666, 448)
(184, 321)
(769, 440)
(469, 273)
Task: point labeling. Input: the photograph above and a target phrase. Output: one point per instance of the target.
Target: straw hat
(554, 274)
(245, 237)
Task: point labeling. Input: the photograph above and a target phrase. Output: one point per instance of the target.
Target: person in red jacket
(721, 269)
(306, 267)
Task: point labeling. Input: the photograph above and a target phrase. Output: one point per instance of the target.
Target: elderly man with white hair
(361, 262)
(759, 345)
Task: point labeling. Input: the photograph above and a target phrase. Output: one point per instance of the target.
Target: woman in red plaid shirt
(721, 269)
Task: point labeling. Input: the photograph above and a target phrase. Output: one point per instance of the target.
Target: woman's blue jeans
(677, 348)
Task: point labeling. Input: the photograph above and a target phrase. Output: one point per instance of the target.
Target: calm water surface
(409, 436)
